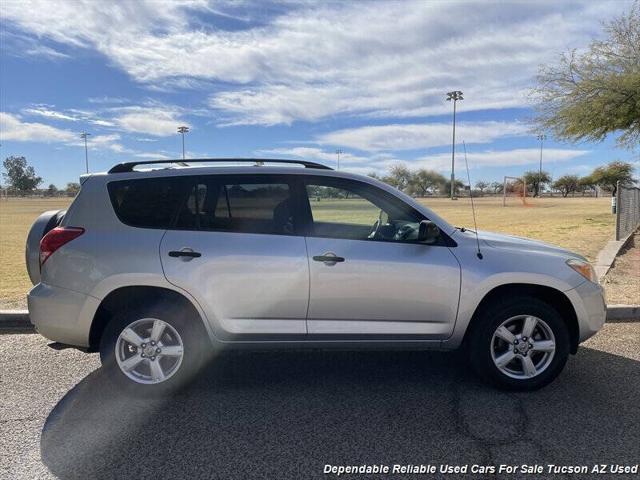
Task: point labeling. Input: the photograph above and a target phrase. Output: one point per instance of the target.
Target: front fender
(498, 268)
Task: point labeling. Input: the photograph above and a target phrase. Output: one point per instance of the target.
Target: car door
(369, 274)
(234, 247)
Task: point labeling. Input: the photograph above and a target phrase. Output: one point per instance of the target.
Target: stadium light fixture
(338, 153)
(183, 129)
(84, 136)
(541, 137)
(455, 96)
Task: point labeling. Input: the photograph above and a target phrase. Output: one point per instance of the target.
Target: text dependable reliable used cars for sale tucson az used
(159, 268)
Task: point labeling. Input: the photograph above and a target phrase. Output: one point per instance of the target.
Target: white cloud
(44, 111)
(156, 121)
(103, 123)
(22, 45)
(498, 158)
(13, 128)
(376, 59)
(415, 136)
(111, 141)
(315, 154)
(152, 156)
(381, 162)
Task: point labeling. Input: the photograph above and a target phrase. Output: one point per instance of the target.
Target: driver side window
(358, 211)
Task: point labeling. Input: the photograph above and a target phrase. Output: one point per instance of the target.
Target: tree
(588, 183)
(373, 175)
(52, 190)
(446, 187)
(497, 187)
(482, 186)
(20, 176)
(399, 176)
(567, 184)
(72, 189)
(590, 95)
(607, 176)
(424, 182)
(536, 180)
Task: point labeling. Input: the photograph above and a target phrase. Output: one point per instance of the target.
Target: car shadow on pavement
(287, 414)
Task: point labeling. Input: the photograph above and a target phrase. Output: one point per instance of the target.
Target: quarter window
(147, 202)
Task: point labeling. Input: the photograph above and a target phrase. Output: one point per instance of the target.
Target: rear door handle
(188, 253)
(328, 258)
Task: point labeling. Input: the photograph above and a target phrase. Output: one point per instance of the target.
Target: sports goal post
(514, 187)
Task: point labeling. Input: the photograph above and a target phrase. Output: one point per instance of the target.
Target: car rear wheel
(152, 350)
(519, 344)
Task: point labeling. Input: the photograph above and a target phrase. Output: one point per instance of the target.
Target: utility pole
(542, 137)
(84, 135)
(183, 129)
(455, 96)
(338, 153)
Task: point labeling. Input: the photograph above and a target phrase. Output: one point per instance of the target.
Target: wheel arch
(136, 295)
(552, 296)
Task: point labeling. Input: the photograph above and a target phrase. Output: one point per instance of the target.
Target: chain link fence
(627, 210)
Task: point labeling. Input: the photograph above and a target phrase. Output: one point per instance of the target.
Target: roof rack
(129, 166)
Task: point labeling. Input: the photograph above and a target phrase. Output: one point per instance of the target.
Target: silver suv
(158, 269)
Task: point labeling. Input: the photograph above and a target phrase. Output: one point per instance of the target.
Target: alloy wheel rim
(149, 351)
(522, 347)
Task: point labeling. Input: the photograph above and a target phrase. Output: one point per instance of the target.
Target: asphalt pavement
(288, 414)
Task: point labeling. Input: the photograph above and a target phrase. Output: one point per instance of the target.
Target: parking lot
(286, 415)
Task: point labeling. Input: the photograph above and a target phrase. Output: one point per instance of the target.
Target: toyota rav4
(157, 268)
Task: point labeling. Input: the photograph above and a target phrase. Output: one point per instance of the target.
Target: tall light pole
(84, 135)
(338, 153)
(541, 137)
(183, 130)
(455, 96)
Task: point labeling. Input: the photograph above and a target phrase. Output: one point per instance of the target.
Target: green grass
(583, 225)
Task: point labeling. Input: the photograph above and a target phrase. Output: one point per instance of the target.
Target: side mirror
(428, 232)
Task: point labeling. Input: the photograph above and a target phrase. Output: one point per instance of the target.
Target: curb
(627, 313)
(608, 254)
(17, 321)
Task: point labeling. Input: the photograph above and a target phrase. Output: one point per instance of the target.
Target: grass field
(16, 217)
(580, 224)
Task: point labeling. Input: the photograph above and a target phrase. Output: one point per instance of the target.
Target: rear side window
(147, 202)
(241, 204)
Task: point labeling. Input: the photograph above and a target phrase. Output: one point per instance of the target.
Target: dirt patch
(622, 282)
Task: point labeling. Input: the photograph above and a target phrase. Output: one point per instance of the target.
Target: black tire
(194, 338)
(485, 325)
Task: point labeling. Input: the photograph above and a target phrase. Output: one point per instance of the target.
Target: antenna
(473, 208)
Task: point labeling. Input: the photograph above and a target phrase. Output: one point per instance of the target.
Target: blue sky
(293, 79)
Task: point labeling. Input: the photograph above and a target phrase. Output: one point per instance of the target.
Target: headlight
(583, 268)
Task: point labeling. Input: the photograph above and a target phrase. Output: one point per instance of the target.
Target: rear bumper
(590, 307)
(62, 315)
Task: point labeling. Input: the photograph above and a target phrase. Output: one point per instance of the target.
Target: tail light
(56, 238)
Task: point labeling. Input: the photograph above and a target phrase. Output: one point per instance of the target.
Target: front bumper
(590, 307)
(62, 315)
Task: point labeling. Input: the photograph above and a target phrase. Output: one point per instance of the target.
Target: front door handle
(328, 258)
(187, 253)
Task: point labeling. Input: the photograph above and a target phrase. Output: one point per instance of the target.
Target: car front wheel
(519, 344)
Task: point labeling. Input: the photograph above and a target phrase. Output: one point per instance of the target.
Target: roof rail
(129, 166)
